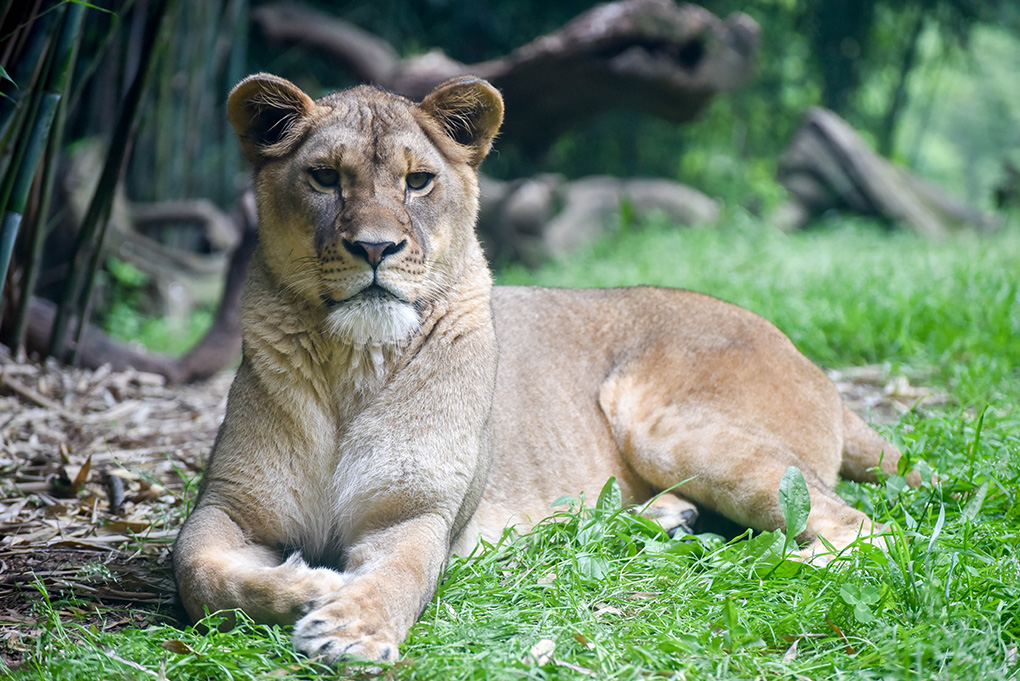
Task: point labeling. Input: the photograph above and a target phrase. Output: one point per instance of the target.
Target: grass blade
(937, 530)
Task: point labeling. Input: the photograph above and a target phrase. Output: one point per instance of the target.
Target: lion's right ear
(469, 110)
(269, 114)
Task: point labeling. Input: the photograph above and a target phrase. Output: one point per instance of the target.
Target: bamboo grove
(136, 78)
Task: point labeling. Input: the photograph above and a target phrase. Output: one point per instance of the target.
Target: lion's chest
(332, 470)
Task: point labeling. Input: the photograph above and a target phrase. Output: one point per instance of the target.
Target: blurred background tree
(897, 70)
(903, 73)
(927, 81)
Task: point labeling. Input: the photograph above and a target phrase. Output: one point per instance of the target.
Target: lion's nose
(374, 252)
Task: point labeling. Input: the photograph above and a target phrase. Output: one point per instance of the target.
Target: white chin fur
(372, 321)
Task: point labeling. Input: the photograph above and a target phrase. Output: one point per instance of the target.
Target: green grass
(620, 599)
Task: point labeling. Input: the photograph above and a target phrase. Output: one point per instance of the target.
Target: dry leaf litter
(96, 471)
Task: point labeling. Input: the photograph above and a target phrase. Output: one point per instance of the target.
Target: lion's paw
(676, 515)
(336, 632)
(309, 587)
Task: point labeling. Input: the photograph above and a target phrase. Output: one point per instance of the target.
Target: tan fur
(369, 432)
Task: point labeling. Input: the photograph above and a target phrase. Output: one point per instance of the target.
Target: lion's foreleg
(218, 567)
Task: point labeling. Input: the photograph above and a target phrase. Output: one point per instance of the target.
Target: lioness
(391, 406)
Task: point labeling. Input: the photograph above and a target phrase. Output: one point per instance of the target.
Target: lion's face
(367, 201)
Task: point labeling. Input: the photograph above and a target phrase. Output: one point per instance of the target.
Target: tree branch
(653, 56)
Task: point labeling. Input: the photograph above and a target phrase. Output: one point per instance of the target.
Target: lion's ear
(269, 115)
(470, 111)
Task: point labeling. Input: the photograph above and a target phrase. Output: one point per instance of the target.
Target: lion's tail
(864, 451)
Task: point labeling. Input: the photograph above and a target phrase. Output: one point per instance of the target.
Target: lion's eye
(419, 180)
(325, 178)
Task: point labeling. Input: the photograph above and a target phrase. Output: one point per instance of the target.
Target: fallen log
(531, 219)
(218, 347)
(828, 166)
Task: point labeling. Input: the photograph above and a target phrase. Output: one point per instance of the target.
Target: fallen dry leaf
(603, 609)
(180, 648)
(583, 640)
(541, 652)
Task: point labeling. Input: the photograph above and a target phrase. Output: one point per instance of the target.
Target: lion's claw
(328, 635)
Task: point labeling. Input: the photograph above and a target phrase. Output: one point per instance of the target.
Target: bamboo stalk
(22, 135)
(98, 54)
(56, 81)
(89, 244)
(26, 68)
(30, 274)
(9, 224)
(163, 149)
(179, 122)
(5, 7)
(25, 14)
(206, 23)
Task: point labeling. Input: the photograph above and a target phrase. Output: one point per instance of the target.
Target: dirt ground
(98, 469)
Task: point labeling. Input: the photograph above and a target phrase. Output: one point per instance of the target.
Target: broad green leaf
(592, 530)
(764, 542)
(904, 464)
(610, 498)
(592, 567)
(565, 501)
(647, 527)
(730, 615)
(850, 594)
(684, 547)
(909, 520)
(861, 599)
(869, 595)
(863, 614)
(894, 485)
(926, 471)
(794, 502)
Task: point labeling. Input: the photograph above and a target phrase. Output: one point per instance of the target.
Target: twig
(33, 396)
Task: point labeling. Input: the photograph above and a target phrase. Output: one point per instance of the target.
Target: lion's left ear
(470, 110)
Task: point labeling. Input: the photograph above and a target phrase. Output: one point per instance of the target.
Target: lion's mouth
(373, 291)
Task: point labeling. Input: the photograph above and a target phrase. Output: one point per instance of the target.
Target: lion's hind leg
(730, 465)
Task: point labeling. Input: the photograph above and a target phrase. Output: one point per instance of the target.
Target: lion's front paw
(337, 631)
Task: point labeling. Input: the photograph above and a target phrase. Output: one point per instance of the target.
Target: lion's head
(367, 201)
